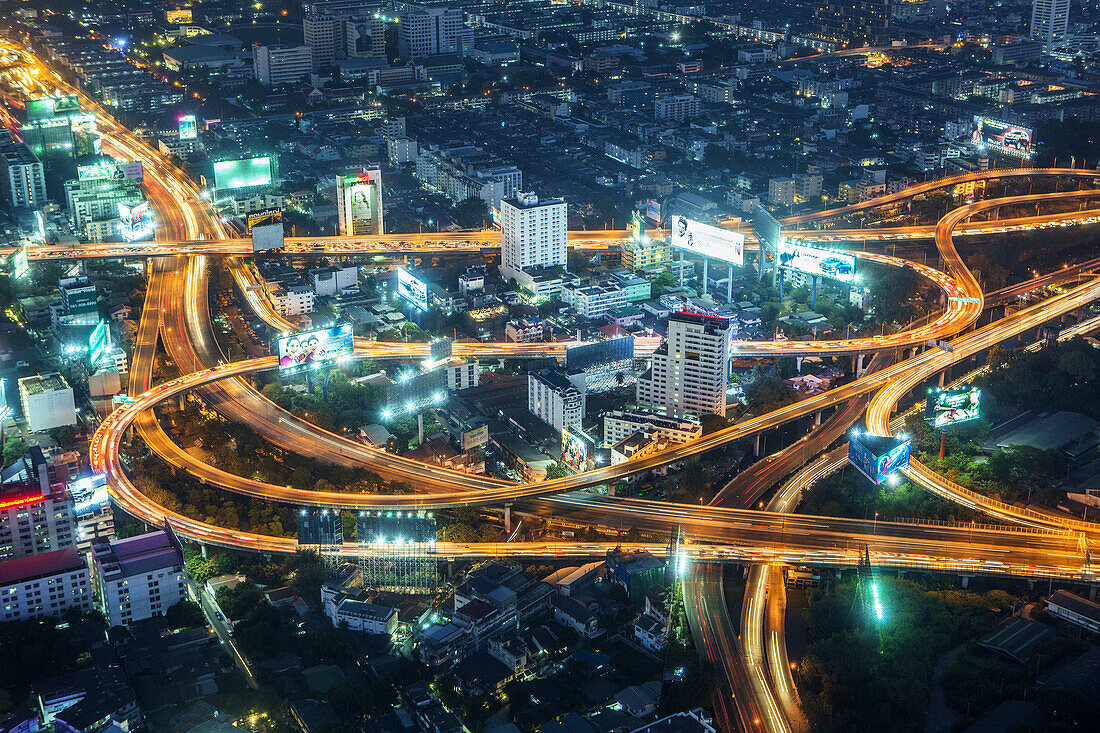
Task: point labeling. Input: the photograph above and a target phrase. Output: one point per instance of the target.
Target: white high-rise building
(689, 373)
(24, 179)
(533, 233)
(1049, 20)
(33, 522)
(359, 202)
(281, 64)
(556, 399)
(44, 585)
(47, 401)
(138, 577)
(425, 30)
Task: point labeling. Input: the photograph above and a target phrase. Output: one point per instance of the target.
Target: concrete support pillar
(798, 363)
(706, 265)
(757, 444)
(966, 581)
(681, 268)
(420, 426)
(943, 378)
(729, 283)
(1092, 592)
(205, 549)
(859, 366)
(508, 518)
(817, 419)
(1031, 585)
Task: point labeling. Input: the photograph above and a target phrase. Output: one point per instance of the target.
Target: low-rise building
(362, 616)
(47, 401)
(1076, 610)
(556, 398)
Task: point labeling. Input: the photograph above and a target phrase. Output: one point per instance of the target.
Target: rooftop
(136, 555)
(44, 565)
(40, 383)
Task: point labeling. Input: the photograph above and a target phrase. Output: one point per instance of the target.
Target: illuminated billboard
(110, 172)
(18, 263)
(574, 450)
(411, 289)
(137, 220)
(708, 241)
(97, 341)
(178, 16)
(945, 408)
(879, 456)
(653, 210)
(266, 229)
(766, 227)
(44, 109)
(814, 261)
(86, 139)
(189, 129)
(1003, 137)
(230, 175)
(359, 203)
(308, 349)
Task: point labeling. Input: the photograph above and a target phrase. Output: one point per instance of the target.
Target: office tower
(425, 30)
(1049, 20)
(281, 64)
(853, 22)
(359, 202)
(688, 374)
(138, 577)
(34, 521)
(322, 34)
(93, 197)
(363, 37)
(533, 233)
(23, 181)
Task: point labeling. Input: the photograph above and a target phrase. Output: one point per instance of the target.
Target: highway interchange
(176, 313)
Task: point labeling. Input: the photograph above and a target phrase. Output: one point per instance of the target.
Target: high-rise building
(281, 64)
(853, 22)
(138, 577)
(556, 398)
(363, 37)
(33, 521)
(1049, 20)
(321, 33)
(44, 585)
(359, 202)
(47, 401)
(425, 30)
(533, 233)
(688, 374)
(94, 195)
(23, 178)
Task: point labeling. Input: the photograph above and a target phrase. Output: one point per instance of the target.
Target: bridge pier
(859, 366)
(757, 444)
(798, 363)
(943, 378)
(508, 518)
(817, 419)
(1092, 592)
(966, 581)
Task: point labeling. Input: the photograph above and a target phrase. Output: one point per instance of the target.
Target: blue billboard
(877, 456)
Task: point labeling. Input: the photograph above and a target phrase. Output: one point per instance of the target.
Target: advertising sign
(230, 175)
(813, 261)
(360, 203)
(1002, 137)
(653, 210)
(178, 16)
(43, 109)
(86, 139)
(411, 289)
(574, 450)
(475, 438)
(950, 407)
(189, 129)
(18, 263)
(496, 217)
(110, 171)
(708, 241)
(304, 350)
(877, 456)
(766, 227)
(98, 341)
(137, 220)
(266, 228)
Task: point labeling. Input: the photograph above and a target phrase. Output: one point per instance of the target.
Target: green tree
(184, 615)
